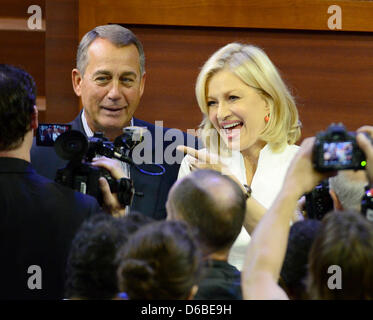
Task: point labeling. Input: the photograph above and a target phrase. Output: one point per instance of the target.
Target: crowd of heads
(146, 259)
(135, 256)
(345, 240)
(91, 266)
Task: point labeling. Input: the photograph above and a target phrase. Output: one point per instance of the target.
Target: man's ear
(336, 203)
(142, 84)
(35, 119)
(77, 78)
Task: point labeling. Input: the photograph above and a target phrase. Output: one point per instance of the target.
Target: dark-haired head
(91, 267)
(160, 261)
(343, 249)
(17, 101)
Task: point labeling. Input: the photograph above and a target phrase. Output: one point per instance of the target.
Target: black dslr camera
(336, 149)
(80, 175)
(319, 201)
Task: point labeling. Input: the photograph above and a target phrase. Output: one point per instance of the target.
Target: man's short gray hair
(117, 35)
(349, 188)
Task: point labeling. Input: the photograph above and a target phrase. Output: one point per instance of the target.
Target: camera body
(337, 149)
(83, 177)
(319, 201)
(80, 175)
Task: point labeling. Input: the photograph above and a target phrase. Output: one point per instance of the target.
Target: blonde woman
(249, 129)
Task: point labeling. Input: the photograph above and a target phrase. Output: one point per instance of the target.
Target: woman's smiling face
(236, 110)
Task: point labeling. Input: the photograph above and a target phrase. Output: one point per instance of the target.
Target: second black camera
(337, 149)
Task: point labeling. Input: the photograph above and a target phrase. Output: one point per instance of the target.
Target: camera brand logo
(34, 281)
(335, 280)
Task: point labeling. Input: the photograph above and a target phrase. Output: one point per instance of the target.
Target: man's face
(111, 87)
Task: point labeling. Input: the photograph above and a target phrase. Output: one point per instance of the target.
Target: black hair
(160, 261)
(91, 267)
(17, 101)
(294, 269)
(345, 240)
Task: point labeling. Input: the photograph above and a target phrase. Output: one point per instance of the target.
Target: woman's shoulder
(286, 154)
(292, 148)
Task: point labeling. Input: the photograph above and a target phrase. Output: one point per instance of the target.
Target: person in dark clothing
(38, 217)
(215, 205)
(294, 269)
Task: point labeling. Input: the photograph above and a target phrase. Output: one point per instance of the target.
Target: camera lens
(71, 145)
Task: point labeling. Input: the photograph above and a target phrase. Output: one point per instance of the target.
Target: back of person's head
(160, 261)
(347, 189)
(117, 35)
(213, 204)
(17, 101)
(255, 69)
(294, 269)
(91, 267)
(343, 249)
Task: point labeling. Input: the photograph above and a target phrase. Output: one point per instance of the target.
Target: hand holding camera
(364, 140)
(336, 149)
(110, 200)
(102, 178)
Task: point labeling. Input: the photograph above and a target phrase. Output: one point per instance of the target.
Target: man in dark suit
(38, 217)
(110, 79)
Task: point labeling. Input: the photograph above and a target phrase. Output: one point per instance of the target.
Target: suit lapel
(144, 183)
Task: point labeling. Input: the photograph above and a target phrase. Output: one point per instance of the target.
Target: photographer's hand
(111, 202)
(367, 147)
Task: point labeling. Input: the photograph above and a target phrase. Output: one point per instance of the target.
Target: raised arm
(268, 243)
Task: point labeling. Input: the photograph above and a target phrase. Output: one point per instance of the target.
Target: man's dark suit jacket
(155, 188)
(38, 220)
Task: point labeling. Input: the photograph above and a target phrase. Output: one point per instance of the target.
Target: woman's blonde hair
(253, 67)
